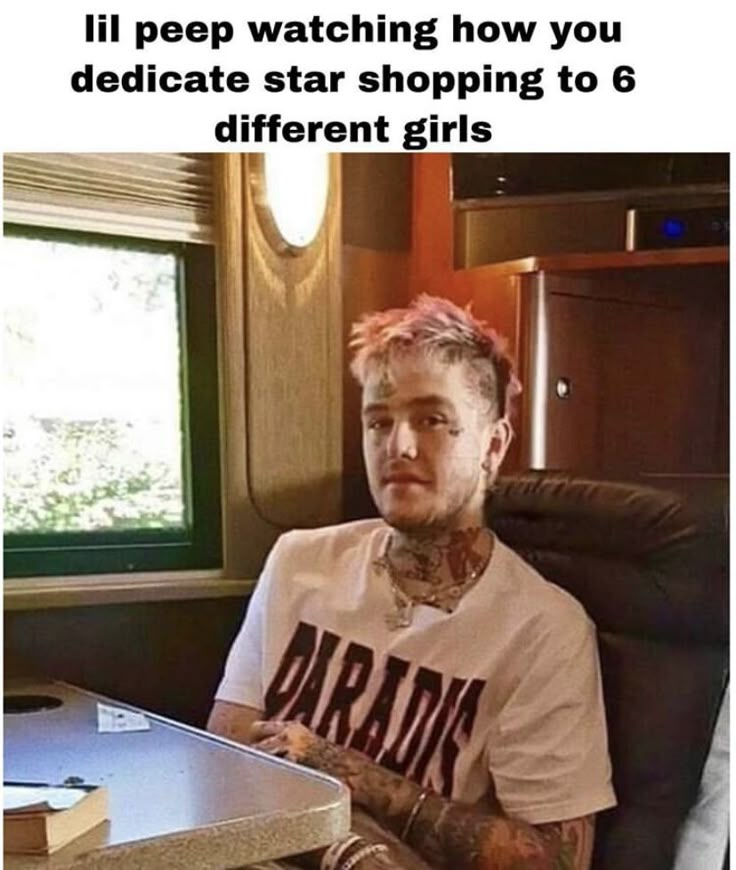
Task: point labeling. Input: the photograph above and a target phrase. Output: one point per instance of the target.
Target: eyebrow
(430, 401)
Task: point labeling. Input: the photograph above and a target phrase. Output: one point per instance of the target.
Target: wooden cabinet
(624, 359)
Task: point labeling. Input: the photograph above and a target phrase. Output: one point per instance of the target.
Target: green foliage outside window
(84, 475)
(110, 447)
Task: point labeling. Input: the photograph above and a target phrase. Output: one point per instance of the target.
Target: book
(39, 819)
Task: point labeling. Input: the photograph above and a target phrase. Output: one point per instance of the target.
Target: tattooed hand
(370, 784)
(297, 743)
(290, 740)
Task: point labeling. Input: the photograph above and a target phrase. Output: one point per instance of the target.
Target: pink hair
(435, 325)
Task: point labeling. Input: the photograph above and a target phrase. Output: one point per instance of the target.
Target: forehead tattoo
(385, 387)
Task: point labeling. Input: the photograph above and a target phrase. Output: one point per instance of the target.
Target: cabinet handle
(563, 388)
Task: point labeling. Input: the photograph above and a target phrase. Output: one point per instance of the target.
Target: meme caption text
(480, 83)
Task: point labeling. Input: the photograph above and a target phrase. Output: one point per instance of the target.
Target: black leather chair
(650, 566)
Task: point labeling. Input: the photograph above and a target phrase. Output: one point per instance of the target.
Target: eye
(378, 424)
(433, 421)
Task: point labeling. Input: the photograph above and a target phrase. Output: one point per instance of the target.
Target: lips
(402, 477)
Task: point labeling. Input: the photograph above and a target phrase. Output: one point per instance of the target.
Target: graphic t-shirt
(502, 696)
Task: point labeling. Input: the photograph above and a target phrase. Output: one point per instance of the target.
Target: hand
(297, 743)
(290, 740)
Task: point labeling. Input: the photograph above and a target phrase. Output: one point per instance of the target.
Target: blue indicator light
(673, 228)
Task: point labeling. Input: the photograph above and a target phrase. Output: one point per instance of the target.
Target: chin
(408, 525)
(427, 518)
(406, 520)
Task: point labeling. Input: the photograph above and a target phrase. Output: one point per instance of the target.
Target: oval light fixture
(296, 188)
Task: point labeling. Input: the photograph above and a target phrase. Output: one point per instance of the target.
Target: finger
(272, 745)
(262, 729)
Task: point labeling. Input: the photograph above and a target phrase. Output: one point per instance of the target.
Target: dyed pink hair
(433, 325)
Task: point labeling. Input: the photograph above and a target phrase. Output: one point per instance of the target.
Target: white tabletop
(179, 797)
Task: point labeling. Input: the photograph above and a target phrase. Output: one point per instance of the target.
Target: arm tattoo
(384, 793)
(450, 834)
(575, 839)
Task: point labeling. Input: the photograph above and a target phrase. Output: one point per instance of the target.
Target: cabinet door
(633, 385)
(574, 362)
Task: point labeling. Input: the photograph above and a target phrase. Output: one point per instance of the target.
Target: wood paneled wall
(280, 312)
(293, 313)
(166, 657)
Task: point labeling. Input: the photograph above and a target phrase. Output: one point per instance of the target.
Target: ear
(501, 436)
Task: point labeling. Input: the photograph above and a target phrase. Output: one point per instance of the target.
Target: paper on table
(112, 719)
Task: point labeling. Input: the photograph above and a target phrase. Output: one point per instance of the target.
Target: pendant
(399, 618)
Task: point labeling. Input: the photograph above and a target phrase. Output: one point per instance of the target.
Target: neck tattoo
(434, 572)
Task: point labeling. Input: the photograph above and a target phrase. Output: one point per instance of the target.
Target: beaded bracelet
(365, 852)
(331, 858)
(414, 813)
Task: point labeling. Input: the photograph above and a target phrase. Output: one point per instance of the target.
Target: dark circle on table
(30, 703)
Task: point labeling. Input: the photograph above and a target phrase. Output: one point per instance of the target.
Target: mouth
(403, 479)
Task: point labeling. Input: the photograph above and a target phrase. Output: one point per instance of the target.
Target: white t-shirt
(503, 694)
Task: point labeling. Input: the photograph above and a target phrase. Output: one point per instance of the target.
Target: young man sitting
(416, 657)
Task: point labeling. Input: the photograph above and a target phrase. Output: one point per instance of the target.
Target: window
(110, 431)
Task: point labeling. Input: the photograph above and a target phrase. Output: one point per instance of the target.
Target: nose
(402, 442)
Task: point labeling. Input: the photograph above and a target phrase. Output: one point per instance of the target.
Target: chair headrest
(642, 560)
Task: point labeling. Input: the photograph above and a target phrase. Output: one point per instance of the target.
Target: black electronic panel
(480, 176)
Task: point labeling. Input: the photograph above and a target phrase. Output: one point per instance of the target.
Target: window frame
(198, 545)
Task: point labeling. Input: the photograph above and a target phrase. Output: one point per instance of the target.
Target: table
(179, 797)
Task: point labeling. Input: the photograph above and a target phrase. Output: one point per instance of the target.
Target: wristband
(331, 858)
(414, 812)
(365, 852)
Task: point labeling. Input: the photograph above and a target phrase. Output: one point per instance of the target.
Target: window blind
(161, 196)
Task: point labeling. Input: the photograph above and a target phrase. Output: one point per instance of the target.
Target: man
(416, 657)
